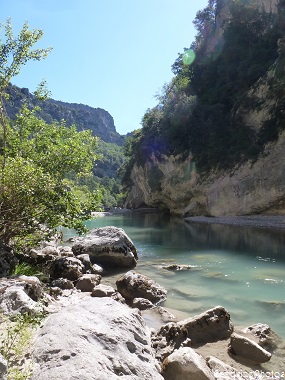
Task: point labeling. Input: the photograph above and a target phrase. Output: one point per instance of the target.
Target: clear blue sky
(111, 54)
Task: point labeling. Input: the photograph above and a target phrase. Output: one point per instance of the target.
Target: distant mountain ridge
(84, 117)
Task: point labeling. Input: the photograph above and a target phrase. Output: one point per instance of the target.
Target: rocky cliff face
(84, 117)
(252, 188)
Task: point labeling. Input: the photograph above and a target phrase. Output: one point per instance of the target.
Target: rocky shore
(258, 221)
(95, 331)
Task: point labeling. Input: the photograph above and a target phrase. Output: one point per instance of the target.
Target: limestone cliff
(250, 187)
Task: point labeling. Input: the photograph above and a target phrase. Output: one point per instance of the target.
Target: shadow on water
(261, 241)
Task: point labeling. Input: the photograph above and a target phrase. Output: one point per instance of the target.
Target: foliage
(36, 157)
(25, 269)
(196, 111)
(15, 343)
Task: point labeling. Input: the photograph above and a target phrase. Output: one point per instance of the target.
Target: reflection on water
(240, 268)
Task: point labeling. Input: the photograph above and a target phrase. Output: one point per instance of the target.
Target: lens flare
(188, 57)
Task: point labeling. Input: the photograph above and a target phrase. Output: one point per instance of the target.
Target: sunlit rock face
(252, 188)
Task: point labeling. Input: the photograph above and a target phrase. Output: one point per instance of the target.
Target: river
(240, 268)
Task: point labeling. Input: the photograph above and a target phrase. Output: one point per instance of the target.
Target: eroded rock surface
(94, 338)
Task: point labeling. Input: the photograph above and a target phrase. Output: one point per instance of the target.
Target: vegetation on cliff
(197, 113)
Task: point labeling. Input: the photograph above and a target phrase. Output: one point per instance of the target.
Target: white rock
(241, 346)
(15, 300)
(103, 291)
(87, 282)
(186, 364)
(92, 339)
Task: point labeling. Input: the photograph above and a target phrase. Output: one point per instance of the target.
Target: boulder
(103, 291)
(107, 246)
(212, 325)
(91, 339)
(65, 250)
(3, 368)
(14, 300)
(266, 337)
(242, 347)
(67, 267)
(142, 303)
(96, 269)
(32, 286)
(89, 267)
(135, 285)
(7, 260)
(186, 364)
(20, 295)
(62, 283)
(87, 282)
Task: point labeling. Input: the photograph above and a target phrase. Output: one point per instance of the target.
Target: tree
(15, 53)
(35, 197)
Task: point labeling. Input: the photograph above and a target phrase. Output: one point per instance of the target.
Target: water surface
(240, 268)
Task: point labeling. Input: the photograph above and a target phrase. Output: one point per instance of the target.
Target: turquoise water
(240, 268)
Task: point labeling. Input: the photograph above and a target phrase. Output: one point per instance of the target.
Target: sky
(110, 54)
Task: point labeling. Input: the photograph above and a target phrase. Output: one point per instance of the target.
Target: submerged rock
(107, 246)
(135, 285)
(94, 338)
(177, 267)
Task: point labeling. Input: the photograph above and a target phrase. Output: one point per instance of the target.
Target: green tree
(35, 197)
(15, 52)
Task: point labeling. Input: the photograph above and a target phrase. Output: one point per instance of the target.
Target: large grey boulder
(94, 338)
(212, 325)
(242, 347)
(107, 246)
(135, 285)
(186, 364)
(14, 300)
(20, 295)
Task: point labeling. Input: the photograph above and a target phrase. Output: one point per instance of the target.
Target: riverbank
(258, 221)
